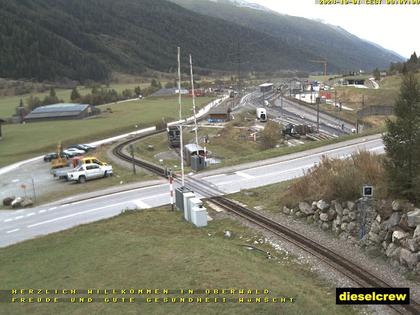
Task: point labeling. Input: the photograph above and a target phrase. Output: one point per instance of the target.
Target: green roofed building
(61, 111)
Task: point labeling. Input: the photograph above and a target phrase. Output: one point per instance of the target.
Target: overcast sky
(395, 27)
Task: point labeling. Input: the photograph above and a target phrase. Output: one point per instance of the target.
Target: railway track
(357, 274)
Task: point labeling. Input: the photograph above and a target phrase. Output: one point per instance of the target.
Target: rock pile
(395, 232)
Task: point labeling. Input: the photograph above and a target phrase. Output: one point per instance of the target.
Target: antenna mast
(180, 117)
(193, 100)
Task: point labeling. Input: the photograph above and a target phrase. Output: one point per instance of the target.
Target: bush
(340, 179)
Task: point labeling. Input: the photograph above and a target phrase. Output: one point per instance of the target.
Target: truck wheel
(82, 179)
(106, 174)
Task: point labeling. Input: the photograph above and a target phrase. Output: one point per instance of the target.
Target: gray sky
(395, 27)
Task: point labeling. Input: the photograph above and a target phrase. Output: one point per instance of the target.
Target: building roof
(266, 84)
(222, 109)
(192, 147)
(57, 110)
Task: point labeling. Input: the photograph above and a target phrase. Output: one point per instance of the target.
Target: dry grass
(340, 179)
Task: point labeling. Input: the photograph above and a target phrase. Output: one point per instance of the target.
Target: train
(174, 136)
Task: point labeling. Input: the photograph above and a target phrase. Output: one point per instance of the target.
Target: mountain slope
(343, 50)
(78, 39)
(49, 39)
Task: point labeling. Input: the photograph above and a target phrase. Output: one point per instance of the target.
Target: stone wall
(392, 228)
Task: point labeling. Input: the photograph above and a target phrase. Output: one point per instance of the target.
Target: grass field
(8, 104)
(24, 141)
(157, 249)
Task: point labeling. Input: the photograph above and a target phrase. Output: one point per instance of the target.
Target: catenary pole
(180, 117)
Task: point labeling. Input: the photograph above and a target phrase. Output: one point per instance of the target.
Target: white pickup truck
(89, 171)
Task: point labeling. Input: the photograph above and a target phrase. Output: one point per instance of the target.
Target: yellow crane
(324, 62)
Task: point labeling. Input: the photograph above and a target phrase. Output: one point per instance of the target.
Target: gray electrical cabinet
(197, 163)
(179, 197)
(187, 205)
(199, 216)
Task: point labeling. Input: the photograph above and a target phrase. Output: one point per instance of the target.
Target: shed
(60, 111)
(190, 150)
(266, 87)
(219, 114)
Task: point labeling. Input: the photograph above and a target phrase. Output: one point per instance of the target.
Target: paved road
(24, 224)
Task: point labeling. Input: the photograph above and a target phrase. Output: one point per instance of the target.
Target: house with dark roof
(60, 112)
(219, 114)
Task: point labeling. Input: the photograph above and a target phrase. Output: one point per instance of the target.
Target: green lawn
(157, 249)
(24, 141)
(9, 103)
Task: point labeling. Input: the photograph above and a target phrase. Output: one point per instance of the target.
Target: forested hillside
(79, 39)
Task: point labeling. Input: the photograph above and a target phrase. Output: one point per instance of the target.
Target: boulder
(316, 216)
(325, 217)
(374, 238)
(322, 205)
(305, 208)
(299, 214)
(27, 202)
(398, 236)
(392, 250)
(378, 219)
(326, 226)
(384, 245)
(416, 232)
(375, 227)
(346, 219)
(408, 258)
(331, 213)
(337, 207)
(396, 205)
(394, 220)
(351, 205)
(351, 226)
(352, 215)
(17, 202)
(413, 244)
(413, 218)
(344, 226)
(314, 207)
(337, 221)
(286, 210)
(8, 201)
(346, 212)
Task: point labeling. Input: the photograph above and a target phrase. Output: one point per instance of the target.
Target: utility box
(199, 216)
(197, 163)
(187, 205)
(179, 197)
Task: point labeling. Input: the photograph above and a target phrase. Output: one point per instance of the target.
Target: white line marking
(116, 194)
(244, 175)
(303, 167)
(8, 220)
(19, 217)
(42, 211)
(12, 231)
(75, 214)
(154, 196)
(140, 204)
(66, 205)
(50, 209)
(213, 176)
(30, 214)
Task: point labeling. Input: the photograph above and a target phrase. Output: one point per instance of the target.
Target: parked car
(89, 146)
(53, 155)
(83, 147)
(77, 161)
(74, 152)
(89, 171)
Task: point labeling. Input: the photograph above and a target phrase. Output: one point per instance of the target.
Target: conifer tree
(402, 142)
